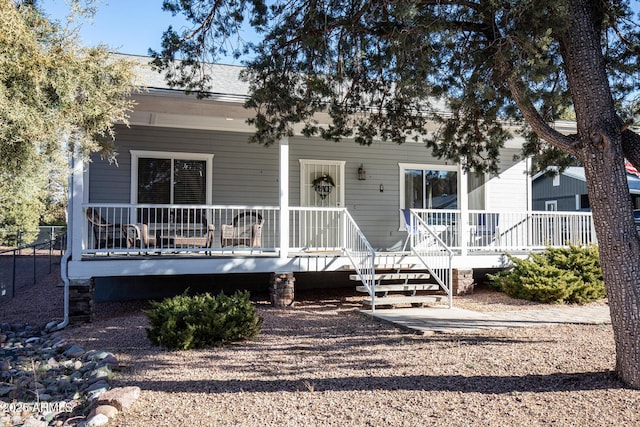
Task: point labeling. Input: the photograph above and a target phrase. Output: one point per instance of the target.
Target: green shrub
(571, 275)
(185, 322)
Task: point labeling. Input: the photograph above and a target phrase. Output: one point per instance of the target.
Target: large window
(171, 178)
(428, 187)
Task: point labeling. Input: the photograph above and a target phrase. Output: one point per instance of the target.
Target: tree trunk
(619, 255)
(599, 146)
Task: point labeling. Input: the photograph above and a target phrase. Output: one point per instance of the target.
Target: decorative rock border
(46, 381)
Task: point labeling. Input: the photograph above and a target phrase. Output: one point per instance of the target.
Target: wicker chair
(246, 230)
(137, 236)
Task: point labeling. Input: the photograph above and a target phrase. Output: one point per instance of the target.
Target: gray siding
(543, 190)
(377, 213)
(246, 174)
(243, 173)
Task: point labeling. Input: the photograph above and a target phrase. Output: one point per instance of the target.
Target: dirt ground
(322, 363)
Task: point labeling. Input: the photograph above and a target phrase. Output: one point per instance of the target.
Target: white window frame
(549, 203)
(424, 166)
(172, 155)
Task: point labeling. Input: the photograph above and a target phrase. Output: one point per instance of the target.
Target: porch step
(395, 276)
(398, 267)
(393, 267)
(400, 283)
(403, 300)
(401, 287)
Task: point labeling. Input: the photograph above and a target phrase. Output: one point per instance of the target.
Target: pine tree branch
(534, 119)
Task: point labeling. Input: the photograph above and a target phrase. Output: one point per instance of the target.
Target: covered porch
(217, 239)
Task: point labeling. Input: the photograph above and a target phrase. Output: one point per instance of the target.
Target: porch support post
(81, 293)
(284, 198)
(77, 220)
(529, 241)
(529, 186)
(464, 212)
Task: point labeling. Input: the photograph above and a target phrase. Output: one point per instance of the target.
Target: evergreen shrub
(186, 322)
(557, 275)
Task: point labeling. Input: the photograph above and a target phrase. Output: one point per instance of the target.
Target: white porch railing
(426, 244)
(124, 229)
(508, 231)
(315, 229)
(127, 228)
(221, 229)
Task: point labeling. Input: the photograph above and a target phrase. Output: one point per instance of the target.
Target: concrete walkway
(441, 319)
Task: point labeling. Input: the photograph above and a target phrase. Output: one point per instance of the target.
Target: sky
(133, 26)
(126, 26)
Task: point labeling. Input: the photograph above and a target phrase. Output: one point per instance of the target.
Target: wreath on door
(323, 185)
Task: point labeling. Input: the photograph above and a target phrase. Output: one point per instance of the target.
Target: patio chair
(486, 230)
(106, 235)
(246, 230)
(419, 229)
(137, 236)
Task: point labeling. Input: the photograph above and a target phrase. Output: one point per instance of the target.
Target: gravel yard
(322, 364)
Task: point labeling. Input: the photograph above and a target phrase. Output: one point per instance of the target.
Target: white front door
(321, 186)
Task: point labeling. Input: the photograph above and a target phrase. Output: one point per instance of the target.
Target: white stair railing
(433, 253)
(362, 256)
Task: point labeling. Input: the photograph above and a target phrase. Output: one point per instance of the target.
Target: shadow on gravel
(558, 382)
(327, 336)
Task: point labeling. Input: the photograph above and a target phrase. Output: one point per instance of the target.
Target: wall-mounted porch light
(362, 174)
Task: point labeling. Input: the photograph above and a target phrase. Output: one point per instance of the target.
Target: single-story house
(190, 196)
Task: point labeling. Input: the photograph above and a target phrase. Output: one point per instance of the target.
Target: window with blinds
(162, 177)
(174, 181)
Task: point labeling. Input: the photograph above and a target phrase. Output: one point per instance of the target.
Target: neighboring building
(567, 190)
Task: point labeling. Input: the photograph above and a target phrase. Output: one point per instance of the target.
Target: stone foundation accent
(462, 281)
(282, 289)
(81, 301)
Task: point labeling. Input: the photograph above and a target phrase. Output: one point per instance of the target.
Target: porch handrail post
(530, 219)
(78, 235)
(343, 230)
(284, 197)
(464, 212)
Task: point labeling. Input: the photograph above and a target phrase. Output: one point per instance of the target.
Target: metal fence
(15, 238)
(21, 265)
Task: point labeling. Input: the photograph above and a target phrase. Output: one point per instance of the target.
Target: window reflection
(157, 185)
(430, 189)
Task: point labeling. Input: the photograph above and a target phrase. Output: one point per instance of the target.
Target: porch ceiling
(171, 108)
